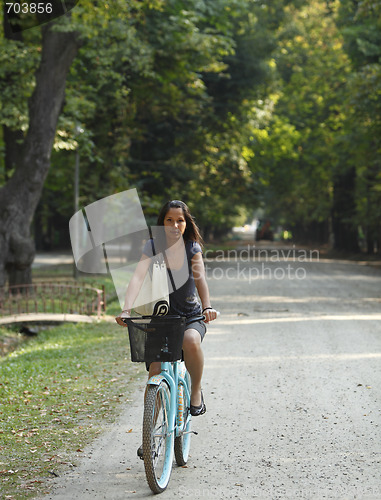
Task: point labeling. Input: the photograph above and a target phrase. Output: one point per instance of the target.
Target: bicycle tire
(158, 445)
(182, 442)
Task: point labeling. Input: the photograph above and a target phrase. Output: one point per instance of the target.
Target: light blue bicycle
(167, 418)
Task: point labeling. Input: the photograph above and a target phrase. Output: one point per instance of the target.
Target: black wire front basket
(156, 338)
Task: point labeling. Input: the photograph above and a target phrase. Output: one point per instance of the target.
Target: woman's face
(175, 224)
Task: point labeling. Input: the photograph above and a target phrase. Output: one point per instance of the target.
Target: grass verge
(57, 391)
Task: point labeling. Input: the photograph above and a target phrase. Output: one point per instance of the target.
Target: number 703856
(29, 8)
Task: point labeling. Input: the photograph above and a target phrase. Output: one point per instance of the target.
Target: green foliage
(17, 66)
(360, 23)
(224, 104)
(163, 95)
(293, 149)
(320, 123)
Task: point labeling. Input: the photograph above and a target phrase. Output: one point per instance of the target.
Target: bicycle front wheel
(157, 441)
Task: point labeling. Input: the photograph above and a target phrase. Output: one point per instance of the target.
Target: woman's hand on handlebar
(123, 314)
(210, 314)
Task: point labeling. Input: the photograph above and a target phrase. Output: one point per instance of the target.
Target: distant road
(52, 259)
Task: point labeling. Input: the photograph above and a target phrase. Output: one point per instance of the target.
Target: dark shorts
(198, 325)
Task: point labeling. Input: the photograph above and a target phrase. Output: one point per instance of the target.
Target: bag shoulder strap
(153, 247)
(169, 273)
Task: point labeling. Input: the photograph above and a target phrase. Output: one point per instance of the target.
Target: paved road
(292, 387)
(44, 259)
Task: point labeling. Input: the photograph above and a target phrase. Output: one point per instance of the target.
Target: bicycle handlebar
(192, 320)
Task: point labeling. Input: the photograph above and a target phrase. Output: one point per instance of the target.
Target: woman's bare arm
(199, 276)
(133, 288)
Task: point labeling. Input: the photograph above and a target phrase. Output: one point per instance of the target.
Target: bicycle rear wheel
(157, 442)
(182, 441)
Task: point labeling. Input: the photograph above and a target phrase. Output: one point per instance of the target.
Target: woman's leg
(194, 361)
(154, 369)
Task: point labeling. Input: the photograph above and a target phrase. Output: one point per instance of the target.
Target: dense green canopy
(229, 105)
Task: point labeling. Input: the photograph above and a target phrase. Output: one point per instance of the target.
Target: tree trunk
(343, 212)
(20, 195)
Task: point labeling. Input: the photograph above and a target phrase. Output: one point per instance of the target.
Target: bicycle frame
(170, 372)
(166, 418)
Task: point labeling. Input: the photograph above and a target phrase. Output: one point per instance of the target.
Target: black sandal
(198, 410)
(140, 452)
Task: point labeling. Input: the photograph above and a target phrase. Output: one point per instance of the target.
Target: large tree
(28, 159)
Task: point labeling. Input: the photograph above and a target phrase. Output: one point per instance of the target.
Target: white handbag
(153, 297)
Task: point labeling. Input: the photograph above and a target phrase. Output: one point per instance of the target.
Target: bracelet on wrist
(206, 308)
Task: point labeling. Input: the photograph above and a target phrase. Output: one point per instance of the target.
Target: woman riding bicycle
(180, 231)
